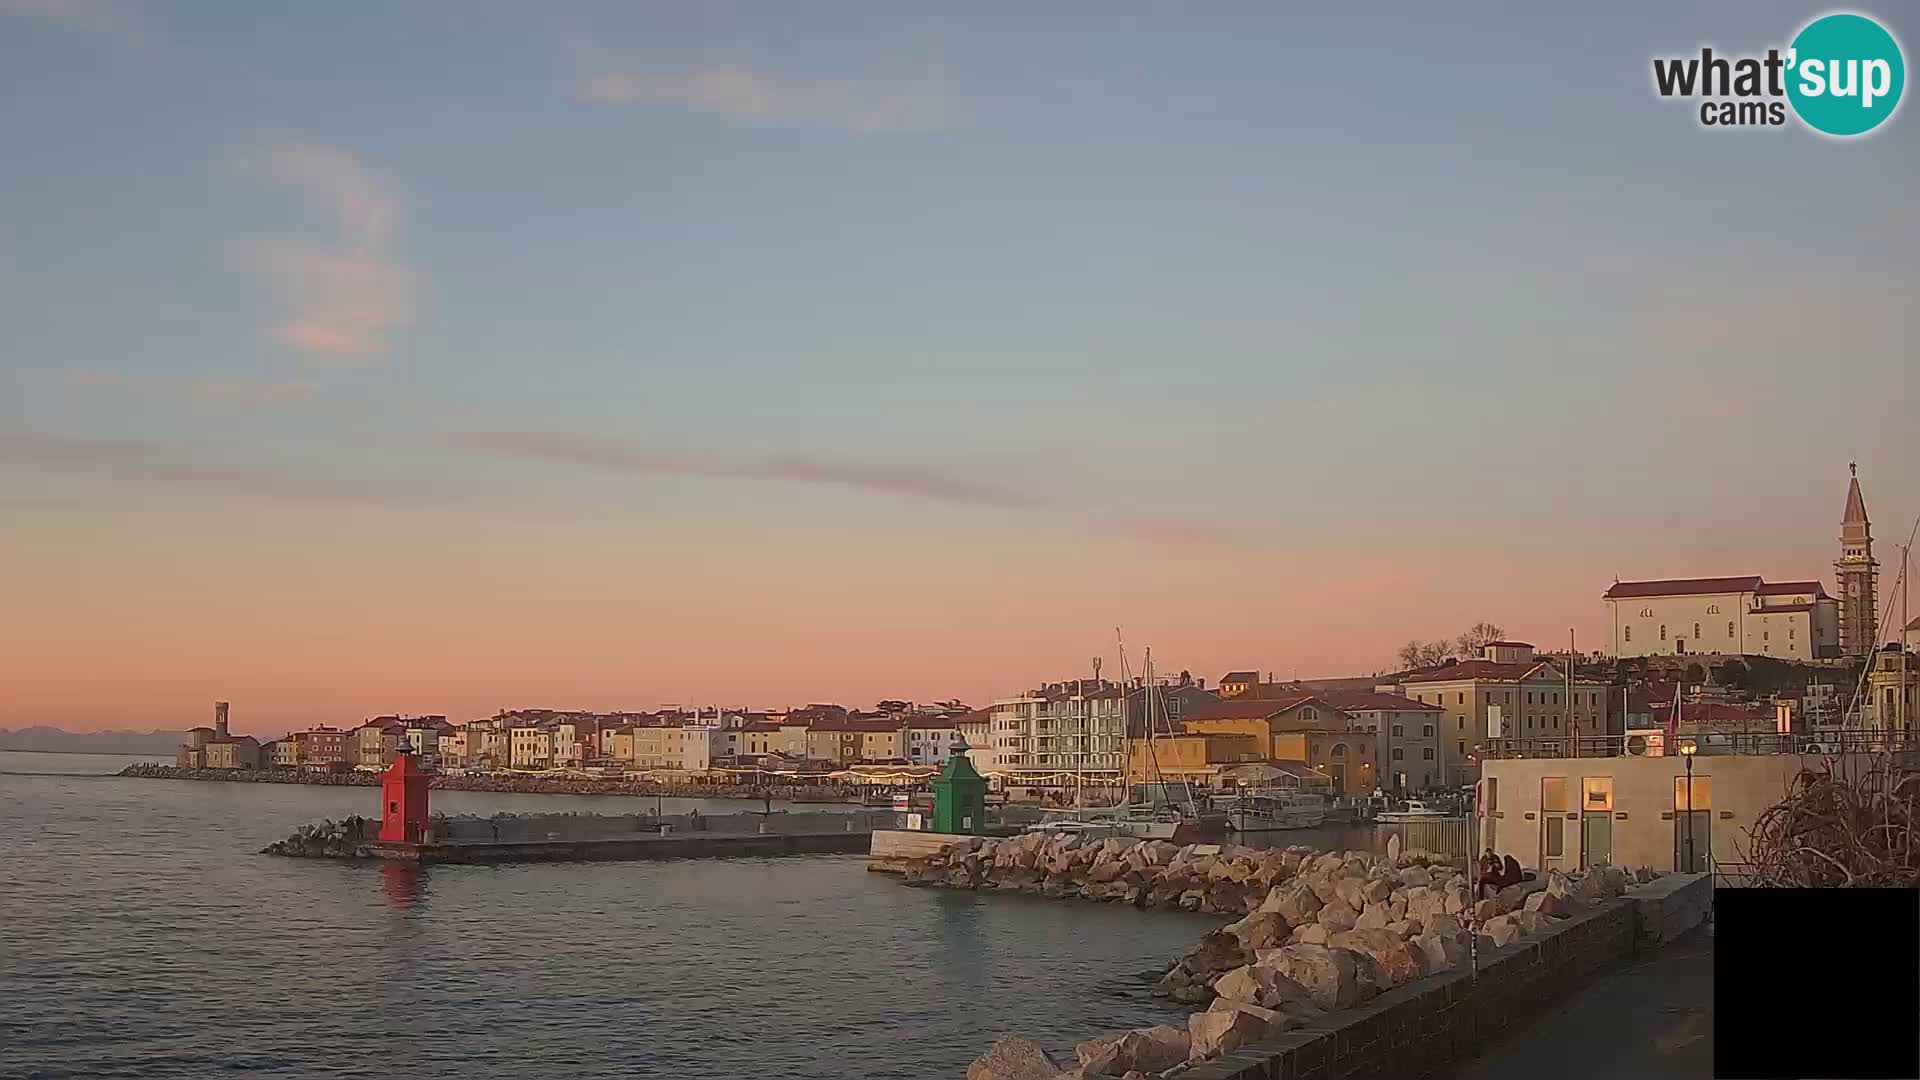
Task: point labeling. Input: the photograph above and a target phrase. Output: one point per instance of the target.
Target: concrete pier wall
(697, 846)
(536, 828)
(1426, 1024)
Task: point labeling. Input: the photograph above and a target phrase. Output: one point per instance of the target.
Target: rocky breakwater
(1328, 932)
(327, 840)
(1210, 878)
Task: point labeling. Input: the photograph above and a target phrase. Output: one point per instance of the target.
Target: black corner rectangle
(1816, 982)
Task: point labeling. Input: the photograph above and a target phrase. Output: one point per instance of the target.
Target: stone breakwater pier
(1341, 964)
(508, 784)
(519, 838)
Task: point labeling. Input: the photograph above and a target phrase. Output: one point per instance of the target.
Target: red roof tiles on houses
(1793, 588)
(1367, 700)
(1683, 587)
(1240, 677)
(1249, 708)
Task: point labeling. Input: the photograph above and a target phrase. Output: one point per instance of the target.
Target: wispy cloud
(923, 481)
(742, 90)
(169, 467)
(226, 391)
(946, 483)
(347, 297)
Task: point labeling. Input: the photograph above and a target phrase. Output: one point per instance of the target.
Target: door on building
(1693, 824)
(1679, 646)
(1692, 850)
(1338, 773)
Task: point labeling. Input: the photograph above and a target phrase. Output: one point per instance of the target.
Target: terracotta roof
(1791, 588)
(934, 723)
(1914, 625)
(1494, 671)
(1249, 708)
(1777, 609)
(1509, 645)
(1240, 676)
(842, 723)
(1682, 587)
(1363, 700)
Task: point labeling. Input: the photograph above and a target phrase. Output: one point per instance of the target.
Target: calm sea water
(140, 936)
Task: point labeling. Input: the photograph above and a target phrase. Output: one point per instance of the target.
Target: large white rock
(1445, 950)
(1353, 892)
(1393, 848)
(1328, 975)
(1013, 1058)
(1338, 915)
(1400, 962)
(1416, 875)
(1215, 1033)
(1501, 930)
(1295, 901)
(1148, 1050)
(1260, 984)
(1261, 930)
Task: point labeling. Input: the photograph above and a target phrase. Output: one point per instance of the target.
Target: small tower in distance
(220, 721)
(1857, 574)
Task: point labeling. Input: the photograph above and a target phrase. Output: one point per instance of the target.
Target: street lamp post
(1687, 750)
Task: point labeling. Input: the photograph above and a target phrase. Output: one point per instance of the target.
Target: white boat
(1415, 811)
(1269, 811)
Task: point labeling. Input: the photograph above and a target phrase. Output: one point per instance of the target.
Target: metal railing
(1706, 742)
(1450, 839)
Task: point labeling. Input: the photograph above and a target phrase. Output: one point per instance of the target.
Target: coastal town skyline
(658, 354)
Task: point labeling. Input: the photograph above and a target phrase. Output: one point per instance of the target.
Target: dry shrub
(1847, 824)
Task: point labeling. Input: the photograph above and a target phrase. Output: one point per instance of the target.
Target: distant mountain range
(54, 740)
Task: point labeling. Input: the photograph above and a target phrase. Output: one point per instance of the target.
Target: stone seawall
(1351, 963)
(512, 785)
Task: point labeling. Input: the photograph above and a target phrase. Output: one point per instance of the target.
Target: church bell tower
(1857, 574)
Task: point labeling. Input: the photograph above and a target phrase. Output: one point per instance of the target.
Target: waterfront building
(286, 752)
(529, 746)
(422, 736)
(451, 747)
(193, 751)
(1732, 616)
(1235, 683)
(1553, 812)
(233, 752)
(1201, 760)
(1893, 692)
(323, 748)
(1406, 735)
(488, 745)
(1484, 699)
(1857, 575)
(374, 743)
(1077, 727)
(1298, 726)
(929, 739)
(976, 728)
(1173, 699)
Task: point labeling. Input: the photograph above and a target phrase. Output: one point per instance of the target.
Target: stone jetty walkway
(1649, 1019)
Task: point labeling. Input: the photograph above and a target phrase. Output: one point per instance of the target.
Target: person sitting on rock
(1514, 875)
(1490, 875)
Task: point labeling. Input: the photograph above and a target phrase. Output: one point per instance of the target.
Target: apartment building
(1521, 697)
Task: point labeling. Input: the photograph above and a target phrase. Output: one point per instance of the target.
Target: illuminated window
(1702, 793)
(1598, 793)
(1553, 794)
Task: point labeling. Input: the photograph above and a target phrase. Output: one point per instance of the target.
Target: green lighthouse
(959, 795)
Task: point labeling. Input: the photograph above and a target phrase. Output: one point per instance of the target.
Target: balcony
(1707, 743)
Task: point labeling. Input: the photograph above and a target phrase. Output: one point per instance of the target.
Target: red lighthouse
(403, 802)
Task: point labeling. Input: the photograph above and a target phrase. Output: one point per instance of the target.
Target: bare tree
(1477, 637)
(1425, 654)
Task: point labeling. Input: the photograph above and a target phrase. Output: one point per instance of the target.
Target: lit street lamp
(1687, 750)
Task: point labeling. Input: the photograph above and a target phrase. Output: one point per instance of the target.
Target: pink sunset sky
(699, 355)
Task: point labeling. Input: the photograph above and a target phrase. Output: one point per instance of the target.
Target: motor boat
(1415, 811)
(1269, 811)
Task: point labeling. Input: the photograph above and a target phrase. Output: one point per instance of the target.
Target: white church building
(1732, 616)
